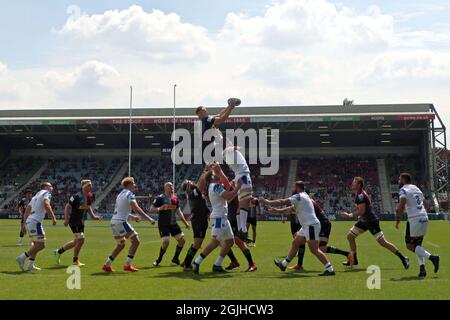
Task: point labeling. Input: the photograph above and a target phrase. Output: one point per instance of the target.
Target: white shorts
(310, 232)
(221, 229)
(247, 187)
(417, 227)
(35, 229)
(121, 229)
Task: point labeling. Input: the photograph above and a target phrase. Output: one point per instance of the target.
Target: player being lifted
(20, 208)
(121, 229)
(367, 220)
(236, 161)
(74, 214)
(310, 230)
(167, 207)
(199, 219)
(233, 209)
(221, 232)
(411, 199)
(34, 215)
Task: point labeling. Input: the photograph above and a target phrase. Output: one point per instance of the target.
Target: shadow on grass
(11, 246)
(190, 275)
(58, 267)
(412, 278)
(13, 273)
(111, 274)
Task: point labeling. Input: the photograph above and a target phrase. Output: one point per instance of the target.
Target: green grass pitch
(170, 282)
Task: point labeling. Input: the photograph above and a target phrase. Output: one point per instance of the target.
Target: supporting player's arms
(67, 210)
(136, 208)
(282, 211)
(181, 215)
(223, 178)
(276, 203)
(360, 209)
(400, 211)
(49, 210)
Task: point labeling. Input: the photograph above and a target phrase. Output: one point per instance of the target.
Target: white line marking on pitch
(433, 244)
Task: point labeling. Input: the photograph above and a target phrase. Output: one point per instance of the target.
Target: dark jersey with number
(199, 210)
(167, 217)
(320, 214)
(80, 205)
(254, 205)
(23, 203)
(368, 215)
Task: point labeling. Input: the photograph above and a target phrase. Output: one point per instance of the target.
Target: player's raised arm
(225, 113)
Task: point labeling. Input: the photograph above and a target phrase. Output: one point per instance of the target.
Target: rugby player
(121, 229)
(34, 215)
(310, 230)
(74, 214)
(167, 207)
(325, 231)
(237, 163)
(233, 208)
(20, 208)
(367, 220)
(199, 219)
(255, 210)
(295, 226)
(221, 232)
(411, 199)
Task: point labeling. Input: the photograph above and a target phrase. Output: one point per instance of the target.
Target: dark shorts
(251, 220)
(234, 226)
(373, 226)
(76, 227)
(199, 228)
(295, 227)
(169, 230)
(325, 229)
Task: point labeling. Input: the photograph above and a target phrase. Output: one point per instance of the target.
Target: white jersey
(305, 209)
(236, 161)
(123, 208)
(414, 201)
(219, 205)
(37, 206)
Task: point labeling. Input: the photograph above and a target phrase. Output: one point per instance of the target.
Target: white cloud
(153, 35)
(304, 23)
(3, 69)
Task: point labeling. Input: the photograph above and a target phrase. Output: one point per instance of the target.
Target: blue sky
(290, 52)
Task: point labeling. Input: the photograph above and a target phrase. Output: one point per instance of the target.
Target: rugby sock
(24, 256)
(329, 267)
(30, 263)
(199, 259)
(129, 260)
(177, 253)
(248, 256)
(75, 259)
(21, 235)
(161, 254)
(61, 250)
(335, 250)
(301, 254)
(190, 255)
(285, 262)
(244, 214)
(109, 261)
(400, 255)
(232, 256)
(421, 252)
(218, 262)
(421, 260)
